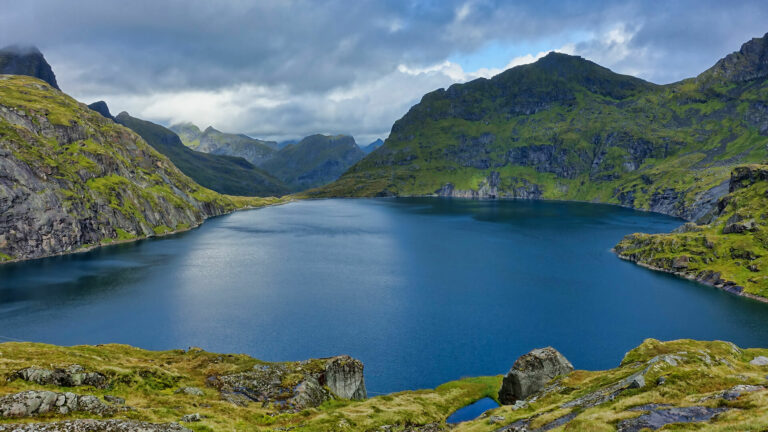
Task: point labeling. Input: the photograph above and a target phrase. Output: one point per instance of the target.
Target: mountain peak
(26, 60)
(101, 108)
(749, 63)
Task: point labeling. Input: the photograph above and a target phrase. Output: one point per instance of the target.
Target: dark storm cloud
(296, 55)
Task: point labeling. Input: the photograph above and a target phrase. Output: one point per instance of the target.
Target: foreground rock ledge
(531, 373)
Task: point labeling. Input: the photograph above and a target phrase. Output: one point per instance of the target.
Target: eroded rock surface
(71, 376)
(294, 386)
(531, 373)
(33, 403)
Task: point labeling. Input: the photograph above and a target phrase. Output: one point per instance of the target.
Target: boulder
(759, 361)
(71, 376)
(33, 403)
(531, 373)
(192, 391)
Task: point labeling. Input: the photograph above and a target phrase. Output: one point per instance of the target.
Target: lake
(422, 290)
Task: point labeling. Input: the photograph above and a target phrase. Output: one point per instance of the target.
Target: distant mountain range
(311, 162)
(372, 146)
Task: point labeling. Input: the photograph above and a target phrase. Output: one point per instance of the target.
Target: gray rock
(494, 419)
(531, 373)
(91, 425)
(71, 376)
(344, 376)
(192, 391)
(309, 385)
(33, 403)
(759, 361)
(114, 399)
(191, 418)
(660, 416)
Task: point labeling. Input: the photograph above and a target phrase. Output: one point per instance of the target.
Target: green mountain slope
(216, 142)
(730, 252)
(71, 179)
(224, 174)
(314, 161)
(565, 128)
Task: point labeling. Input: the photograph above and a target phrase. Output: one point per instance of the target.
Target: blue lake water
(421, 290)
(472, 411)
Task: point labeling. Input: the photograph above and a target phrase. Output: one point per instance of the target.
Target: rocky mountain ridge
(26, 60)
(566, 128)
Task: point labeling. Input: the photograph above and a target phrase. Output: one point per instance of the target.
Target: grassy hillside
(731, 251)
(71, 179)
(224, 174)
(314, 161)
(566, 128)
(714, 377)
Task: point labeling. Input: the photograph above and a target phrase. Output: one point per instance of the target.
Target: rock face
(72, 376)
(294, 386)
(70, 178)
(344, 376)
(90, 425)
(749, 63)
(531, 373)
(33, 403)
(29, 61)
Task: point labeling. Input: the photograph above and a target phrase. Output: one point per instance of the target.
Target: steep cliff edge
(71, 179)
(21, 60)
(729, 252)
(566, 128)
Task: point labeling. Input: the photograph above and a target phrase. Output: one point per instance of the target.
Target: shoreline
(116, 242)
(694, 278)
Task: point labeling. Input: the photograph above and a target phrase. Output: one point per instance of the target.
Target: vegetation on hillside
(716, 376)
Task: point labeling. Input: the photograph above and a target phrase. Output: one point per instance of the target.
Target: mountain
(29, 61)
(566, 128)
(188, 133)
(729, 252)
(71, 179)
(101, 108)
(224, 174)
(372, 146)
(286, 143)
(314, 161)
(213, 141)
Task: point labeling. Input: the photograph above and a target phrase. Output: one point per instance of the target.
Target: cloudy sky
(282, 69)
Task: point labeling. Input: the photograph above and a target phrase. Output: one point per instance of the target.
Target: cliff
(21, 60)
(71, 179)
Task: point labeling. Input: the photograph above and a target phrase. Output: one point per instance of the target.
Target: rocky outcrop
(71, 376)
(344, 376)
(294, 386)
(29, 61)
(657, 416)
(492, 188)
(749, 63)
(91, 425)
(531, 373)
(32, 403)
